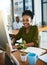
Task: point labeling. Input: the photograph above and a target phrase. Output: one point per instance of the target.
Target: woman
(28, 32)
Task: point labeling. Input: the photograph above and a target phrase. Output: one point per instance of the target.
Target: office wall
(37, 10)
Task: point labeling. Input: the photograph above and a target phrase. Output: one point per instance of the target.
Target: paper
(43, 58)
(1, 51)
(20, 40)
(43, 40)
(35, 50)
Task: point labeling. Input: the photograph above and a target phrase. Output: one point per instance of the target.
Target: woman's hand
(29, 44)
(13, 41)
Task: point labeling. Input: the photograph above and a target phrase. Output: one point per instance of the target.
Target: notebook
(35, 50)
(43, 58)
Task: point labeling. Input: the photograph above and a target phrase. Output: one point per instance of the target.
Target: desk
(42, 28)
(13, 33)
(2, 56)
(16, 55)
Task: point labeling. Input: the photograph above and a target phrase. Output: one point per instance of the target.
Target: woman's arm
(34, 39)
(13, 41)
(29, 44)
(17, 36)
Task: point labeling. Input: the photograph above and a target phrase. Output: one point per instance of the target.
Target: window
(18, 6)
(44, 12)
(29, 5)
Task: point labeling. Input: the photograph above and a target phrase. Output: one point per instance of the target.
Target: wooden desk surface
(42, 28)
(2, 58)
(17, 56)
(14, 32)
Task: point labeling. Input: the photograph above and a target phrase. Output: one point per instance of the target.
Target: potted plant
(23, 54)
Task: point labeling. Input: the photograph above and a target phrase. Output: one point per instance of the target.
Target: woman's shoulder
(22, 28)
(34, 26)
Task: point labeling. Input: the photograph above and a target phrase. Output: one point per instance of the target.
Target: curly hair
(29, 13)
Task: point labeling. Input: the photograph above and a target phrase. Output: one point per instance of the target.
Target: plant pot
(23, 57)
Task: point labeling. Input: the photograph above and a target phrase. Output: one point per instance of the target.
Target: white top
(17, 25)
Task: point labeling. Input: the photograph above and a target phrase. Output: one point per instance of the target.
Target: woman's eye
(25, 20)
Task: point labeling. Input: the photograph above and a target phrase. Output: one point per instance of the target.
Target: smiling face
(26, 21)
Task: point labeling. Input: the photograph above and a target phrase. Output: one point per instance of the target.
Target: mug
(32, 58)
